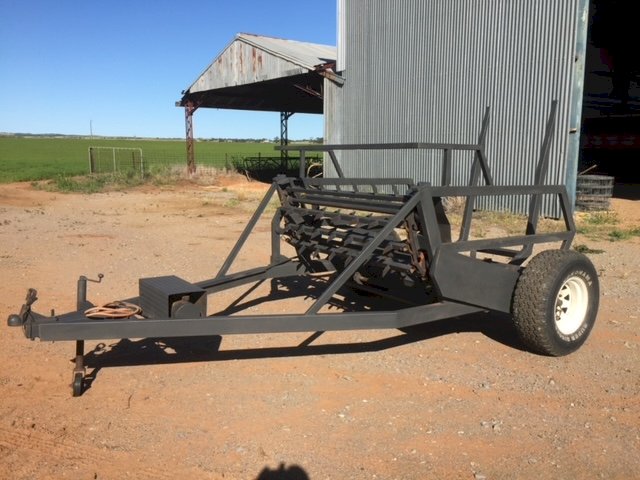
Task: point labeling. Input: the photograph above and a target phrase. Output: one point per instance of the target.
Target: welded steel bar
(79, 357)
(541, 169)
(535, 201)
(484, 166)
(429, 219)
(446, 167)
(497, 190)
(74, 326)
(247, 231)
(276, 255)
(287, 268)
(408, 182)
(483, 244)
(81, 293)
(478, 161)
(378, 207)
(336, 164)
(465, 227)
(480, 156)
(565, 207)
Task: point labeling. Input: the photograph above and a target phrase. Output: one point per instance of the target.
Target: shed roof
(255, 72)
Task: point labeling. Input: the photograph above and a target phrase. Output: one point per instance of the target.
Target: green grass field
(40, 158)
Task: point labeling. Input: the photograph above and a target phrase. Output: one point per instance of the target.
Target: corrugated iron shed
(424, 70)
(262, 73)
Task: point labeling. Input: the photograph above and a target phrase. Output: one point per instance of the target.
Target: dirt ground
(455, 399)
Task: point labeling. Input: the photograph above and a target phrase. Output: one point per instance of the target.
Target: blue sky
(118, 67)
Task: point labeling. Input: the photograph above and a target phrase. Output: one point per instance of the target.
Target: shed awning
(264, 73)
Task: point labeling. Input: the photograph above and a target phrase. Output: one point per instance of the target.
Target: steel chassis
(461, 282)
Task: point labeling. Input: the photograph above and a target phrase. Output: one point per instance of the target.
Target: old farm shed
(262, 73)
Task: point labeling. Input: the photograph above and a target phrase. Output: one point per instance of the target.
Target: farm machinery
(386, 236)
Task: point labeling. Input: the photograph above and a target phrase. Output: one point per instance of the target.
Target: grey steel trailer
(380, 235)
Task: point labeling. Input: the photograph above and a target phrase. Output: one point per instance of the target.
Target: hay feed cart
(381, 235)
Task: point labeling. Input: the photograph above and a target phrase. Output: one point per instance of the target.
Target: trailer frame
(461, 281)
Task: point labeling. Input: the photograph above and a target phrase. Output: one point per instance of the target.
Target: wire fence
(255, 165)
(221, 160)
(234, 161)
(140, 161)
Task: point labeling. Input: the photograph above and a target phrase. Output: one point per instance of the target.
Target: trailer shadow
(174, 350)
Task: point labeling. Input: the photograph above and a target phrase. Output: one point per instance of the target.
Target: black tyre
(77, 386)
(555, 302)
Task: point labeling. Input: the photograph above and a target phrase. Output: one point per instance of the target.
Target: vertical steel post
(81, 293)
(77, 383)
(284, 140)
(189, 108)
(535, 200)
(575, 112)
(478, 159)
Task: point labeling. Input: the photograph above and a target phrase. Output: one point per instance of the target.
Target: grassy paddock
(41, 158)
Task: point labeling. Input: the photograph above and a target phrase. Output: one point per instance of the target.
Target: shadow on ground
(173, 350)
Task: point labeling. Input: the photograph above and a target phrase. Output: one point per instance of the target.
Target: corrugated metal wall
(424, 70)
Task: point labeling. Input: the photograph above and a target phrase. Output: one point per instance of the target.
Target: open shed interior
(610, 143)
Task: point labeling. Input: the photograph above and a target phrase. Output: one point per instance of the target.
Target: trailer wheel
(555, 302)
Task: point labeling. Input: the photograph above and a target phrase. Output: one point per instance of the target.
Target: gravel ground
(453, 399)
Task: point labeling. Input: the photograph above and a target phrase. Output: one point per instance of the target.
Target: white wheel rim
(571, 305)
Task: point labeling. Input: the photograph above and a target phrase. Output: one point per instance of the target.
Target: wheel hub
(571, 305)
